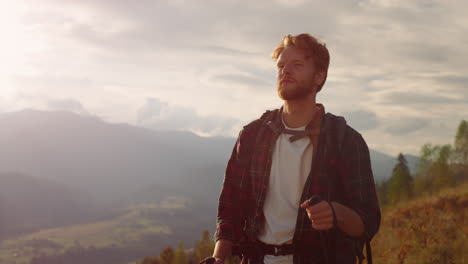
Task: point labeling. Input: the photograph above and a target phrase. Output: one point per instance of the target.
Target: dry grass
(431, 229)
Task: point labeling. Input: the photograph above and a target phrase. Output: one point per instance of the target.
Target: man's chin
(288, 94)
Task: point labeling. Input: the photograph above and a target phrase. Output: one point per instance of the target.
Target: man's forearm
(348, 220)
(222, 249)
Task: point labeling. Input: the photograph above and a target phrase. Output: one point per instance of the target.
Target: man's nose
(286, 69)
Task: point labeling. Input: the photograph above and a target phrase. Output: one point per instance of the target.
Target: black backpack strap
(336, 128)
(368, 252)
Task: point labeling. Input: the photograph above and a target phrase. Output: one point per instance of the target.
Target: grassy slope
(131, 226)
(430, 229)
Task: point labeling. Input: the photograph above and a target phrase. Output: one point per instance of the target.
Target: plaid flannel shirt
(240, 210)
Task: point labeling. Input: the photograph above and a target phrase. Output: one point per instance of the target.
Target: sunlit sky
(398, 70)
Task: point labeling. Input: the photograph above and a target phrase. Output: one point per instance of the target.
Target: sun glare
(17, 41)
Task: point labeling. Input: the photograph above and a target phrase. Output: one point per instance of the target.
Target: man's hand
(320, 214)
(219, 261)
(212, 260)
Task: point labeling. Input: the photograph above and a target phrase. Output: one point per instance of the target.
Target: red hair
(312, 48)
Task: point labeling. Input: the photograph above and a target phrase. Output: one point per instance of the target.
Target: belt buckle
(278, 250)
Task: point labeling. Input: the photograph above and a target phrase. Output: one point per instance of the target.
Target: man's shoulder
(352, 139)
(256, 123)
(344, 132)
(337, 120)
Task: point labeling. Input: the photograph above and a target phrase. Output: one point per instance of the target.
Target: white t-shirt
(290, 168)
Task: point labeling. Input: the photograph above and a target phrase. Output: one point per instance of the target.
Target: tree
(150, 260)
(433, 170)
(442, 175)
(401, 183)
(179, 256)
(167, 256)
(204, 247)
(382, 192)
(461, 143)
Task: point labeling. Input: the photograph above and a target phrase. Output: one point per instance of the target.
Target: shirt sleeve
(231, 216)
(358, 184)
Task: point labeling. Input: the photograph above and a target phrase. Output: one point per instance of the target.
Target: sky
(398, 70)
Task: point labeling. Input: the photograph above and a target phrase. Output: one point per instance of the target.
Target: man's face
(297, 76)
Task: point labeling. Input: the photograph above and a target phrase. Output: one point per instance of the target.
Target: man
(287, 156)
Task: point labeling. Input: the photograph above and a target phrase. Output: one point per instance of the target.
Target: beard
(293, 91)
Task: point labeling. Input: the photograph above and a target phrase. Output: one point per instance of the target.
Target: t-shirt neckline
(297, 128)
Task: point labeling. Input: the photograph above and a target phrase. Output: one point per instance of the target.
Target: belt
(276, 250)
(259, 249)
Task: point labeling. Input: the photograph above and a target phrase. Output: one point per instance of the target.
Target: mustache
(286, 79)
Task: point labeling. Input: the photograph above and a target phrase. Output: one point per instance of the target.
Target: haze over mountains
(106, 160)
(60, 165)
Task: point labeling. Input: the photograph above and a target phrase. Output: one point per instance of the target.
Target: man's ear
(319, 77)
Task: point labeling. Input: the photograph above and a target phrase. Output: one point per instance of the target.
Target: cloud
(70, 105)
(247, 80)
(159, 115)
(226, 51)
(229, 26)
(388, 58)
(456, 85)
(412, 98)
(361, 119)
(406, 125)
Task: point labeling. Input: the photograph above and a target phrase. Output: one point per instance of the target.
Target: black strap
(335, 142)
(368, 252)
(332, 244)
(335, 221)
(335, 127)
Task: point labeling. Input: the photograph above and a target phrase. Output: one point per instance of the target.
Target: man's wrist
(222, 250)
(349, 221)
(338, 213)
(218, 260)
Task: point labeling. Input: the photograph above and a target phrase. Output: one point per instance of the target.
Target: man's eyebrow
(295, 60)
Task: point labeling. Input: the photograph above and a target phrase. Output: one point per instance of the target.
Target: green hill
(138, 227)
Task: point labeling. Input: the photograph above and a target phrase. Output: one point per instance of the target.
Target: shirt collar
(313, 124)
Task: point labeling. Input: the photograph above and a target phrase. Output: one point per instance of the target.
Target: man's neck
(297, 113)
